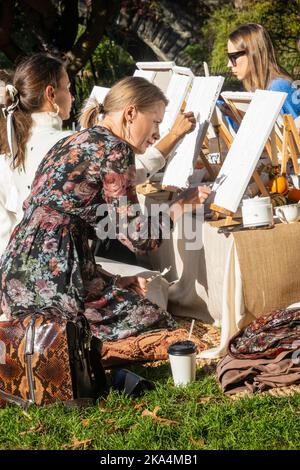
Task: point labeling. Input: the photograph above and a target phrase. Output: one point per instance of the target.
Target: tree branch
(38, 21)
(68, 25)
(88, 41)
(130, 41)
(7, 44)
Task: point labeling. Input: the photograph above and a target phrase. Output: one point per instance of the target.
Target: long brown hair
(130, 90)
(31, 78)
(255, 40)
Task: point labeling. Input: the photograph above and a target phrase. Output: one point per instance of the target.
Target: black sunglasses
(233, 56)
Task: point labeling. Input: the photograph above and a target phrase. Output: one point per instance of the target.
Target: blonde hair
(255, 40)
(136, 91)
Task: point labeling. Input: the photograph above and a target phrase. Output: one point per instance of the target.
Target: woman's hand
(188, 200)
(137, 284)
(184, 124)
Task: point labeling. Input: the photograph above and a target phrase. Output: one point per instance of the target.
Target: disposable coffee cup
(182, 356)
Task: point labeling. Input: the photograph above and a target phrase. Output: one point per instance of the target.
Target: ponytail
(21, 95)
(90, 114)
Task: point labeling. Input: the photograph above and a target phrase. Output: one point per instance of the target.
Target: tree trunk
(88, 41)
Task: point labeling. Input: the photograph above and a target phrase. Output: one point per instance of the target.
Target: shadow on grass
(158, 373)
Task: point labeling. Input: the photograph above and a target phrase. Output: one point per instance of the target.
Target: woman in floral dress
(48, 263)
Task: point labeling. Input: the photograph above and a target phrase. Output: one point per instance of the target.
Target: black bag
(45, 359)
(131, 384)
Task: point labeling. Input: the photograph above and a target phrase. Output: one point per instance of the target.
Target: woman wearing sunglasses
(252, 60)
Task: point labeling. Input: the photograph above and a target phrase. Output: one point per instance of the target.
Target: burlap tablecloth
(270, 267)
(231, 280)
(249, 273)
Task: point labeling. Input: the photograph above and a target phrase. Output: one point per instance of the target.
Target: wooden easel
(226, 136)
(221, 210)
(265, 107)
(228, 139)
(284, 139)
(291, 141)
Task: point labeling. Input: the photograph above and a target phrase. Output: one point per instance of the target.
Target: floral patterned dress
(48, 263)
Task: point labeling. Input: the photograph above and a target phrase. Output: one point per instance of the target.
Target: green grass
(206, 420)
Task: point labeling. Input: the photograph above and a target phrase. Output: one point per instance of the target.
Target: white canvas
(99, 92)
(179, 81)
(183, 70)
(240, 99)
(176, 94)
(148, 74)
(162, 72)
(155, 65)
(246, 148)
(201, 100)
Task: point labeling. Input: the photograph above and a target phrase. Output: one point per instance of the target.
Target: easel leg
(293, 138)
(284, 147)
(207, 166)
(274, 155)
(293, 154)
(260, 184)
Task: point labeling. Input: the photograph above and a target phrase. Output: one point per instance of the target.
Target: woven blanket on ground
(269, 262)
(152, 346)
(268, 336)
(257, 375)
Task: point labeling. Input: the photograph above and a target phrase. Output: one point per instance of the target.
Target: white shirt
(15, 184)
(148, 163)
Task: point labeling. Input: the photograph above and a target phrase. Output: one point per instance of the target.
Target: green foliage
(196, 52)
(108, 64)
(281, 19)
(4, 62)
(201, 417)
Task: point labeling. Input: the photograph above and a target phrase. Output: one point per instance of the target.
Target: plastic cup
(182, 356)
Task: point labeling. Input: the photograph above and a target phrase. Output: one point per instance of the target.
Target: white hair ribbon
(8, 113)
(12, 91)
(2, 93)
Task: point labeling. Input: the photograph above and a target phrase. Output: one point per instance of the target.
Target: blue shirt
(290, 106)
(292, 101)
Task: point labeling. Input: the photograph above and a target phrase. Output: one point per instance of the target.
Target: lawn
(195, 417)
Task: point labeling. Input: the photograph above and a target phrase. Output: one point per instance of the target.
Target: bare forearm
(167, 143)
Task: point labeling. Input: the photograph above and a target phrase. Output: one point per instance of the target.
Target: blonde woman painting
(48, 262)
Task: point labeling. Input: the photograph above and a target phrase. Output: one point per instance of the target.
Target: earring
(56, 107)
(128, 130)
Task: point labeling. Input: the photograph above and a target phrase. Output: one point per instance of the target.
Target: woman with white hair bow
(34, 101)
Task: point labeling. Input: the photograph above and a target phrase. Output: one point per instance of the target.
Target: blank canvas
(162, 72)
(148, 74)
(176, 93)
(201, 100)
(240, 99)
(247, 148)
(99, 92)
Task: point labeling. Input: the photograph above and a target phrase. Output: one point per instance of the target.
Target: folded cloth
(268, 335)
(150, 346)
(257, 375)
(131, 384)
